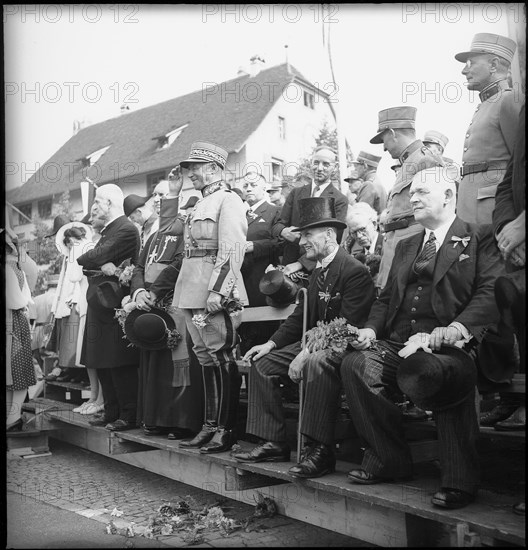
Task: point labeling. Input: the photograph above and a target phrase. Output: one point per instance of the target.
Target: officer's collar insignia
(213, 187)
(492, 90)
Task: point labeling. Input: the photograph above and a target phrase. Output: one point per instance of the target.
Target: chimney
(257, 64)
(124, 109)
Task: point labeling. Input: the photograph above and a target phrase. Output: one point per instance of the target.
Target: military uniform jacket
(489, 139)
(463, 280)
(348, 292)
(215, 239)
(380, 202)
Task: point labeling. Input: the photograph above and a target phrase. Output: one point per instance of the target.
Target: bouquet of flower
(124, 274)
(232, 305)
(334, 335)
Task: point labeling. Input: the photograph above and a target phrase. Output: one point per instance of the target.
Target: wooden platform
(389, 515)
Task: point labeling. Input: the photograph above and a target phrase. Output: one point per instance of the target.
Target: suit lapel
(447, 253)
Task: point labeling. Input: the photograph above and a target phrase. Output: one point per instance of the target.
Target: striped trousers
(321, 399)
(369, 378)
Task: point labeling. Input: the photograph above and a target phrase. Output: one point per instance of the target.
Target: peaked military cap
(368, 159)
(393, 118)
(432, 136)
(201, 151)
(486, 42)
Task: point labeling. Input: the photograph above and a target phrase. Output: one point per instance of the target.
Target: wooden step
(389, 515)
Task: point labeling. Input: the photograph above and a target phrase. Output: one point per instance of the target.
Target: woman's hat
(318, 212)
(278, 288)
(58, 222)
(148, 329)
(59, 237)
(439, 380)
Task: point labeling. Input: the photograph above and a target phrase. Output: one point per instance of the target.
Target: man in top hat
(359, 189)
(340, 286)
(104, 348)
(439, 292)
(215, 242)
(489, 140)
(397, 133)
(324, 164)
(370, 163)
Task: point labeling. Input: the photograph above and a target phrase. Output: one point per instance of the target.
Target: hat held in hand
(438, 380)
(278, 288)
(149, 329)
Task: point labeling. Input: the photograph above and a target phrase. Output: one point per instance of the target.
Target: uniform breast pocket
(205, 225)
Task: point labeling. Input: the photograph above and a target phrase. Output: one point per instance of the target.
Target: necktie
(315, 192)
(427, 253)
(321, 279)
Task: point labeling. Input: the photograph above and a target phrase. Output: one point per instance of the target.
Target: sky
(72, 62)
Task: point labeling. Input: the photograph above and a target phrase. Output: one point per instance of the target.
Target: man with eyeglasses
(324, 164)
(490, 137)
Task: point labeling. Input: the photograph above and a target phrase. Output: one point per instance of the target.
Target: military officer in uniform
(370, 163)
(396, 130)
(489, 140)
(215, 240)
(359, 190)
(435, 141)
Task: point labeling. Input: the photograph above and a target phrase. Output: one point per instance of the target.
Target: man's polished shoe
(120, 425)
(266, 452)
(317, 461)
(153, 430)
(222, 441)
(516, 421)
(452, 498)
(202, 437)
(365, 478)
(497, 414)
(178, 433)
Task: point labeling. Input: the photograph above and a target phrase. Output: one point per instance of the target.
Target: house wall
(302, 126)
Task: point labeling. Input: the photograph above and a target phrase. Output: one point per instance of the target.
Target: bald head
(433, 195)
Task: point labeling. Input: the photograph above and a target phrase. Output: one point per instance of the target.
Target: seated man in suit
(340, 286)
(439, 292)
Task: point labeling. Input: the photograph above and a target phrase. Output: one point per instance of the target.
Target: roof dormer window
(90, 160)
(168, 139)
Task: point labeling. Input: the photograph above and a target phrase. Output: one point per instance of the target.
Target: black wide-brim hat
(109, 294)
(439, 380)
(148, 329)
(58, 222)
(278, 288)
(318, 212)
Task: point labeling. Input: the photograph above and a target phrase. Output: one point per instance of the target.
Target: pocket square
(262, 221)
(463, 257)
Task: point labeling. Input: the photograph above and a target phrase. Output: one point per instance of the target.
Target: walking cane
(301, 383)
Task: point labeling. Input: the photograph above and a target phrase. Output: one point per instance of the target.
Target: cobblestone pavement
(93, 485)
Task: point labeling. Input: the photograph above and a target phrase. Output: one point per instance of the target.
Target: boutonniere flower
(324, 296)
(463, 240)
(251, 214)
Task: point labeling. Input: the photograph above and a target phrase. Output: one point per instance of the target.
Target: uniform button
(467, 135)
(413, 321)
(471, 122)
(419, 288)
(413, 309)
(465, 149)
(416, 298)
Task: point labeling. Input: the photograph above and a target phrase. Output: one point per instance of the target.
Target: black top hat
(132, 202)
(191, 202)
(278, 288)
(438, 381)
(109, 295)
(148, 329)
(318, 212)
(58, 222)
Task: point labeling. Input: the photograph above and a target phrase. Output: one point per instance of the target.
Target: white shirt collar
(440, 232)
(319, 189)
(256, 205)
(327, 260)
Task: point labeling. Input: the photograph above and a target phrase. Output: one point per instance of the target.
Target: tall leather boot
(211, 382)
(225, 437)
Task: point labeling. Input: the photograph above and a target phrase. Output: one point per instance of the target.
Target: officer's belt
(483, 166)
(200, 252)
(399, 224)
